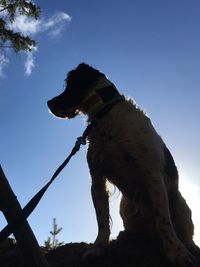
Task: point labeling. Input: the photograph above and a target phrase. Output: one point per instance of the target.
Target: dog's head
(77, 83)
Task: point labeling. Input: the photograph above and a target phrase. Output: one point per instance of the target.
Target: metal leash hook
(80, 141)
(83, 140)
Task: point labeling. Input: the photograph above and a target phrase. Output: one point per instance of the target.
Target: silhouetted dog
(125, 149)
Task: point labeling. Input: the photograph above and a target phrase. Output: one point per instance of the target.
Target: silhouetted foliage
(52, 242)
(9, 9)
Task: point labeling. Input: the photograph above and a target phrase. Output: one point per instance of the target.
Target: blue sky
(149, 49)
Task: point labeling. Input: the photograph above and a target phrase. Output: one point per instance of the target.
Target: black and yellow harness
(100, 99)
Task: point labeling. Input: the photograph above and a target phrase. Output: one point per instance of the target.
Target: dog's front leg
(101, 205)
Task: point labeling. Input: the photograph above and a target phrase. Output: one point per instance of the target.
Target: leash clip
(81, 141)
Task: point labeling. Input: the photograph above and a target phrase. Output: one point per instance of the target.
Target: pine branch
(4, 9)
(52, 242)
(16, 39)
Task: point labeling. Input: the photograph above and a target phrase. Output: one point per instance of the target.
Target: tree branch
(4, 9)
(23, 233)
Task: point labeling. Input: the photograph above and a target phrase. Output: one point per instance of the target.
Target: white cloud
(3, 62)
(29, 26)
(29, 63)
(57, 23)
(25, 25)
(53, 26)
(56, 19)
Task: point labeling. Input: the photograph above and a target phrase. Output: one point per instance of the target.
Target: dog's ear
(82, 78)
(83, 66)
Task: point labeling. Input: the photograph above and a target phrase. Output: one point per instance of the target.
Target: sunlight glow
(191, 193)
(114, 202)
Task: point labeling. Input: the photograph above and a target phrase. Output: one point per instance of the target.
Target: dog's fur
(125, 149)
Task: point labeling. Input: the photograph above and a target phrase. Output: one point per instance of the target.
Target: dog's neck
(100, 98)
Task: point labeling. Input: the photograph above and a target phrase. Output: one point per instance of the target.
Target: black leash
(31, 205)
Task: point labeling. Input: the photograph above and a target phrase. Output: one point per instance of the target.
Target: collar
(100, 99)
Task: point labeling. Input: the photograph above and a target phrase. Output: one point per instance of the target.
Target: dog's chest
(126, 138)
(101, 146)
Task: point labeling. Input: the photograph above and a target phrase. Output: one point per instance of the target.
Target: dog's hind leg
(174, 248)
(182, 221)
(137, 216)
(181, 218)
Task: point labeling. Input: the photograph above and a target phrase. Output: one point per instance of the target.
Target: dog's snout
(52, 107)
(56, 107)
(49, 104)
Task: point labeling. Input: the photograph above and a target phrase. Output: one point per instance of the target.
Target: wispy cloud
(3, 62)
(55, 23)
(52, 26)
(29, 62)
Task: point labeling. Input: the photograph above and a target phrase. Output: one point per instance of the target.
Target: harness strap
(99, 96)
(108, 107)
